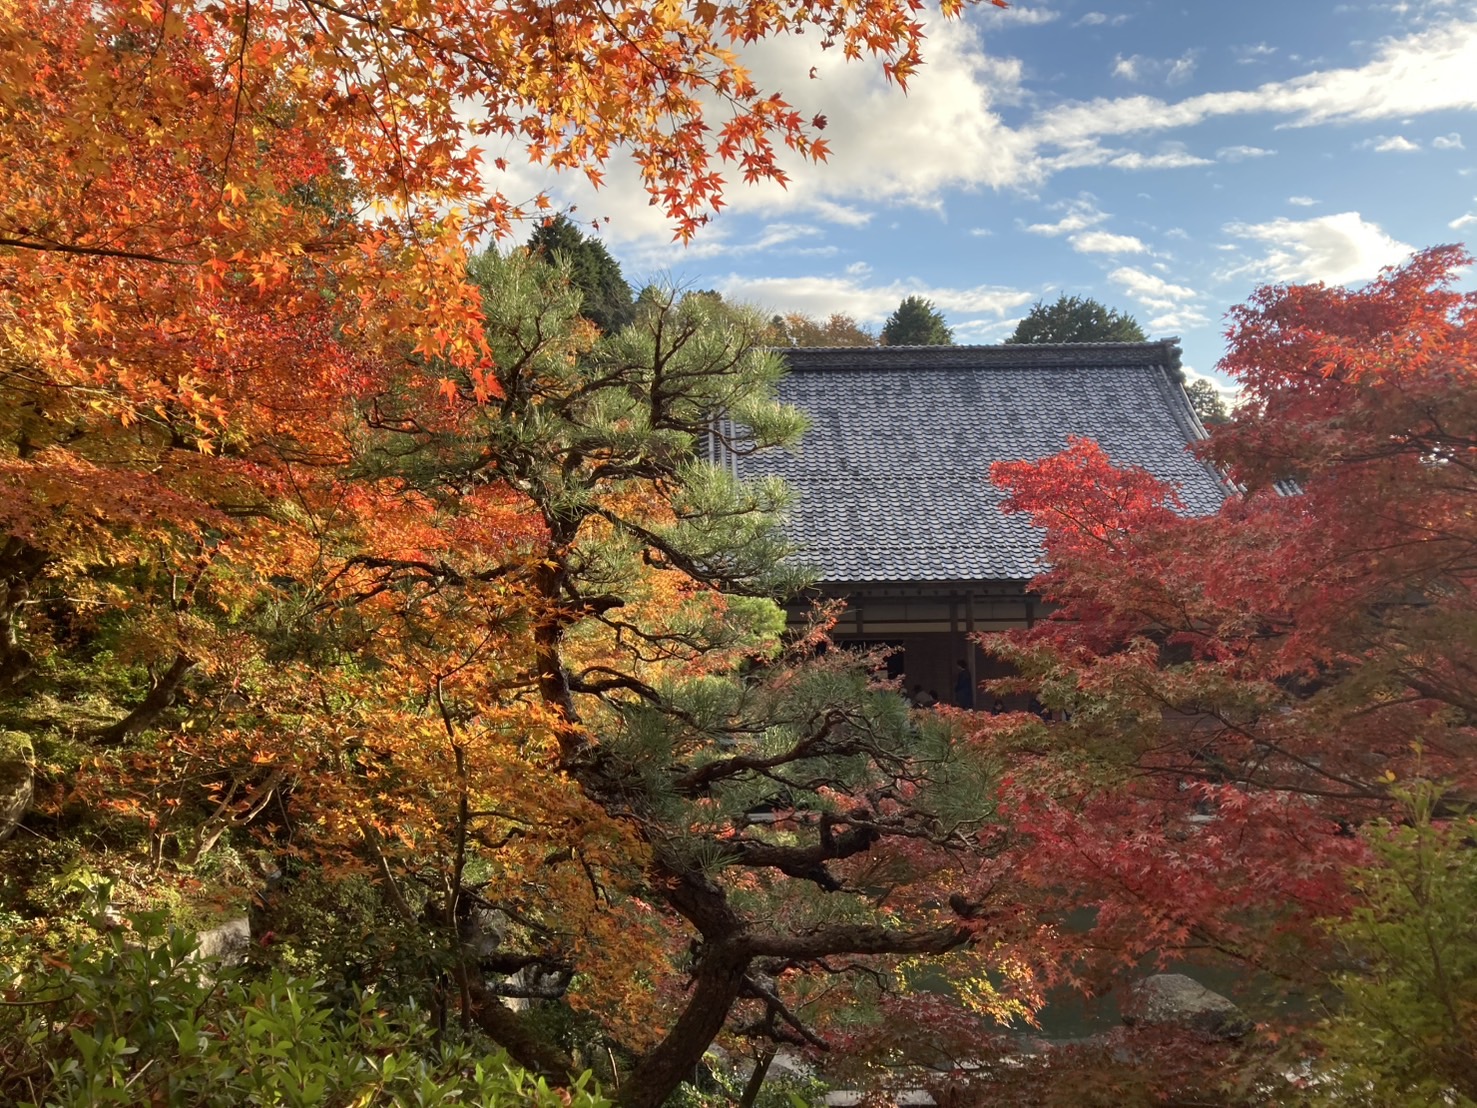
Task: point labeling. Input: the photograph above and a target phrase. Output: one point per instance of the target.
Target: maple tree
(519, 661)
(214, 212)
(198, 150)
(837, 329)
(1245, 690)
(219, 220)
(316, 532)
(283, 548)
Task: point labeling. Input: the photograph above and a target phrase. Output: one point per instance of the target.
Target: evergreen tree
(1208, 403)
(646, 690)
(606, 297)
(1076, 319)
(916, 323)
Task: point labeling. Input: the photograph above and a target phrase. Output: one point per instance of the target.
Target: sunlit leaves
(1244, 688)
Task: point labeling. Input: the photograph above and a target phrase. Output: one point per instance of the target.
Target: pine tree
(916, 323)
(1076, 319)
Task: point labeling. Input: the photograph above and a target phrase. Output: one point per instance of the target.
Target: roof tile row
(893, 476)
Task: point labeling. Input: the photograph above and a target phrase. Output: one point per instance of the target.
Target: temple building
(896, 513)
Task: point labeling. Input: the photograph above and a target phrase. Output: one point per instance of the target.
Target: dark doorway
(895, 653)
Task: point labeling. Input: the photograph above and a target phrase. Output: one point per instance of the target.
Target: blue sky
(1163, 157)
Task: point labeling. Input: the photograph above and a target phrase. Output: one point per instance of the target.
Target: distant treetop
(1208, 402)
(838, 329)
(916, 323)
(606, 297)
(1076, 319)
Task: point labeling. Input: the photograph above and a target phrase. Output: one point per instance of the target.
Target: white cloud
(1241, 153)
(1335, 249)
(1136, 67)
(976, 331)
(1128, 68)
(844, 214)
(1153, 292)
(776, 234)
(1469, 220)
(981, 232)
(1181, 69)
(858, 269)
(820, 296)
(1246, 55)
(1452, 141)
(1301, 201)
(1426, 72)
(886, 148)
(1182, 319)
(1098, 19)
(1082, 213)
(1422, 73)
(992, 299)
(1171, 155)
(1104, 242)
(1388, 144)
(1173, 305)
(778, 237)
(1016, 13)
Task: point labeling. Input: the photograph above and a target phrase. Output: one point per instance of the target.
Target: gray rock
(1174, 1000)
(227, 943)
(17, 780)
(482, 932)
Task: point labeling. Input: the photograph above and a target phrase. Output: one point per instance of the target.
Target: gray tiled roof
(892, 478)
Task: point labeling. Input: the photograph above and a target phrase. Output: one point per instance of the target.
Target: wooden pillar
(969, 648)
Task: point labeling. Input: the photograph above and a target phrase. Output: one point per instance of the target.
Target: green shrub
(1406, 1030)
(136, 1018)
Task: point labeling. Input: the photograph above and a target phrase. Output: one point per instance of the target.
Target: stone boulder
(17, 780)
(227, 943)
(1174, 1000)
(482, 932)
